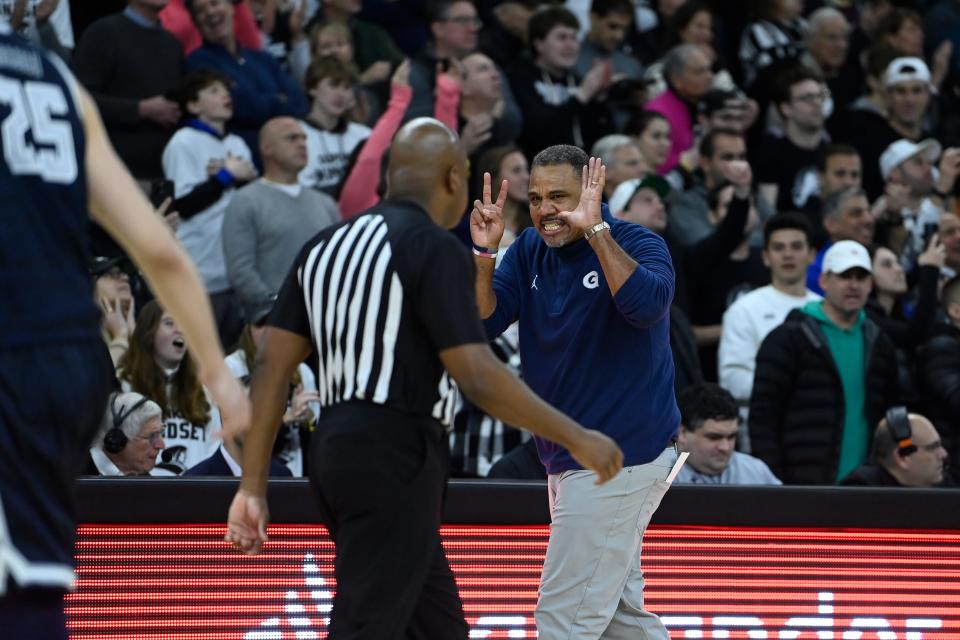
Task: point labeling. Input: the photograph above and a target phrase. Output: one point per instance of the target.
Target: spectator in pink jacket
(686, 69)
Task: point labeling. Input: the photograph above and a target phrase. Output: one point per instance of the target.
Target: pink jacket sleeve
(359, 191)
(447, 103)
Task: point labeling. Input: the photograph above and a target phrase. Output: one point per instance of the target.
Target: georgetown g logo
(591, 280)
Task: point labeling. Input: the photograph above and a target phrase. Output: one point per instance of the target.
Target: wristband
(484, 252)
(940, 194)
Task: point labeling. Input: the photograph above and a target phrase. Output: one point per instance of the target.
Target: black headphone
(115, 439)
(898, 422)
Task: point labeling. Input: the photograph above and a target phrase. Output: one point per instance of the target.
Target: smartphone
(160, 190)
(928, 230)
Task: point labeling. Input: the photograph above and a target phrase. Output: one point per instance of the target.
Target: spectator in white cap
(641, 200)
(823, 377)
(916, 197)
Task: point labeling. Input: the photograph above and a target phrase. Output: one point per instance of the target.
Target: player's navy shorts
(52, 399)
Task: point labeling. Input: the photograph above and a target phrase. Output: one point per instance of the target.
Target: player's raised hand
(486, 219)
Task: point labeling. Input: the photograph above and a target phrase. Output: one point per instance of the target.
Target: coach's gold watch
(595, 229)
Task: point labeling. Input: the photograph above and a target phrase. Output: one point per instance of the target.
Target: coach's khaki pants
(592, 586)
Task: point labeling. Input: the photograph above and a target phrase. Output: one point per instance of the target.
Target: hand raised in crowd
(240, 168)
(486, 219)
(213, 166)
(477, 130)
(297, 21)
(935, 255)
(949, 170)
(119, 325)
(597, 452)
(592, 180)
(940, 63)
(401, 76)
(299, 409)
(376, 72)
(45, 9)
(158, 109)
(595, 80)
(890, 205)
(171, 218)
(452, 75)
(740, 175)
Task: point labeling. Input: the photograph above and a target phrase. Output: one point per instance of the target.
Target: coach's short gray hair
(561, 154)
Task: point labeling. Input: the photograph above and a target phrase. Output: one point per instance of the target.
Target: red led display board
(180, 582)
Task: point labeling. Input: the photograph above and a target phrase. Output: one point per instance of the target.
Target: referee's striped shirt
(380, 296)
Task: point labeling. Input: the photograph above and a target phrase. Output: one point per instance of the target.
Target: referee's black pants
(379, 478)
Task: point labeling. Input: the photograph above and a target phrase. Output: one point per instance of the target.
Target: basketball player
(56, 163)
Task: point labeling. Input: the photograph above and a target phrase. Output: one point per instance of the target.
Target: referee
(386, 302)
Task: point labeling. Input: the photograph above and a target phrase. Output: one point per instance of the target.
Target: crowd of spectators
(800, 157)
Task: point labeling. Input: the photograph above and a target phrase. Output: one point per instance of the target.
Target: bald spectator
(260, 89)
(268, 221)
(687, 71)
(846, 216)
(622, 158)
(828, 47)
(131, 65)
(907, 452)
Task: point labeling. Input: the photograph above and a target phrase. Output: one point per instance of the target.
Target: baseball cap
(907, 70)
(845, 255)
(903, 149)
(624, 193)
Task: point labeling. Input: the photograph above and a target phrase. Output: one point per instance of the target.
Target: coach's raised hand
(486, 220)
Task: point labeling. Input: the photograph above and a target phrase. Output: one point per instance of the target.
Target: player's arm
(278, 355)
(491, 386)
(118, 205)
